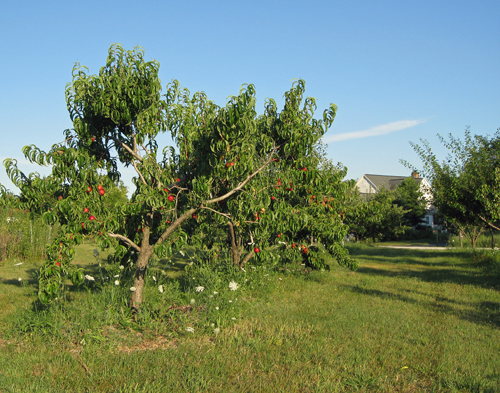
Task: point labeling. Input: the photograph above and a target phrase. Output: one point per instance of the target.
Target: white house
(372, 184)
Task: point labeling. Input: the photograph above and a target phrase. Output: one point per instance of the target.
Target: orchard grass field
(405, 321)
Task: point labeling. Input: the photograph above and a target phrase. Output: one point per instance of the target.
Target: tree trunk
(140, 273)
(235, 252)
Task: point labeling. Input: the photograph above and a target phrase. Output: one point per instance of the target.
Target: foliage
(466, 186)
(116, 195)
(376, 217)
(226, 162)
(411, 199)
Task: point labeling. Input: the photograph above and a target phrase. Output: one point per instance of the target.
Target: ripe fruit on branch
(93, 139)
(166, 190)
(101, 191)
(89, 190)
(194, 216)
(256, 250)
(60, 197)
(58, 264)
(91, 218)
(86, 210)
(171, 198)
(273, 198)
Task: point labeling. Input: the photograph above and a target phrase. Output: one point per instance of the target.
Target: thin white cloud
(375, 131)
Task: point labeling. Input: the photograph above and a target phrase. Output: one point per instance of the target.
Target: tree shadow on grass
(443, 275)
(438, 266)
(421, 257)
(483, 313)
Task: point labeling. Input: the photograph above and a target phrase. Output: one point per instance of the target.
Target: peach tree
(230, 166)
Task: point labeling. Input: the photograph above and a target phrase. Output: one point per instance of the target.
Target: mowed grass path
(406, 321)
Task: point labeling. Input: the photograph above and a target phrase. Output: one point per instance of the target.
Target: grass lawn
(406, 321)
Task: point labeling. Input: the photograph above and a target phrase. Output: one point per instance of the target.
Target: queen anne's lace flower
(90, 278)
(117, 282)
(199, 289)
(160, 289)
(233, 286)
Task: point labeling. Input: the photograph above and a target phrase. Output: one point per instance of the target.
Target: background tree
(466, 185)
(411, 199)
(375, 216)
(224, 159)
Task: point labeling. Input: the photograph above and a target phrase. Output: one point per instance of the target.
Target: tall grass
(21, 236)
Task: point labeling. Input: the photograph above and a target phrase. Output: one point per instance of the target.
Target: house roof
(387, 182)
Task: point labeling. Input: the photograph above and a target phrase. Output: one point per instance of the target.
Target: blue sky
(398, 71)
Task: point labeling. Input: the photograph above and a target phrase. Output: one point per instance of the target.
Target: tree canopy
(254, 176)
(466, 185)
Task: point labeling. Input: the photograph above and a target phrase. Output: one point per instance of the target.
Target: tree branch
(244, 182)
(125, 240)
(215, 211)
(126, 147)
(488, 223)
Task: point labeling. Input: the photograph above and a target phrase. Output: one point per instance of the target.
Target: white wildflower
(189, 329)
(154, 278)
(133, 289)
(180, 252)
(116, 275)
(215, 293)
(193, 301)
(160, 289)
(199, 289)
(117, 282)
(280, 279)
(216, 331)
(217, 308)
(19, 279)
(90, 278)
(233, 319)
(122, 267)
(243, 270)
(233, 286)
(230, 301)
